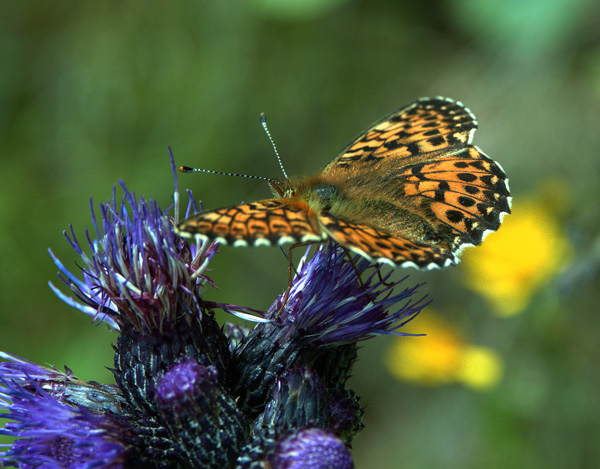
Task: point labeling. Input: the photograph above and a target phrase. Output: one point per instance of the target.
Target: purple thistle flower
(139, 272)
(65, 387)
(190, 396)
(189, 392)
(329, 303)
(311, 448)
(49, 431)
(328, 310)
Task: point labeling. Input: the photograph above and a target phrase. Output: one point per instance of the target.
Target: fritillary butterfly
(411, 190)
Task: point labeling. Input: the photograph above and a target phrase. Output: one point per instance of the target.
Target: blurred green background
(94, 92)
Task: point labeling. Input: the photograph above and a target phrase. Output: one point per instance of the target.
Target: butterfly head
(281, 188)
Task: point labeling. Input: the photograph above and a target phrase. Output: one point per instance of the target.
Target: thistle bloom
(188, 392)
(60, 421)
(309, 448)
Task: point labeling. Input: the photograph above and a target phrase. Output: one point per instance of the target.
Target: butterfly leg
(391, 284)
(357, 272)
(290, 269)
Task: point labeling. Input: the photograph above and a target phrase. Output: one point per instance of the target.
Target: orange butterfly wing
(428, 126)
(383, 248)
(422, 154)
(466, 191)
(259, 223)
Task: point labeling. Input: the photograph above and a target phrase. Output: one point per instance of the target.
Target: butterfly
(410, 191)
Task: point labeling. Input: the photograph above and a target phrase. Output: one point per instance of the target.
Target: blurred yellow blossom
(442, 356)
(513, 263)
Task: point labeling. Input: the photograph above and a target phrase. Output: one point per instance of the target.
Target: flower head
(517, 260)
(443, 357)
(311, 448)
(139, 273)
(190, 398)
(318, 323)
(330, 304)
(50, 430)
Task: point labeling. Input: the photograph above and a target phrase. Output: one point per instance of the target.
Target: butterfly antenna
(187, 169)
(263, 121)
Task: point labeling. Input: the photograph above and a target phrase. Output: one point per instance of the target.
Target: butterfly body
(409, 191)
(362, 199)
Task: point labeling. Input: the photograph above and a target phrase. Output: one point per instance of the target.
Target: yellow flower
(515, 262)
(441, 357)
